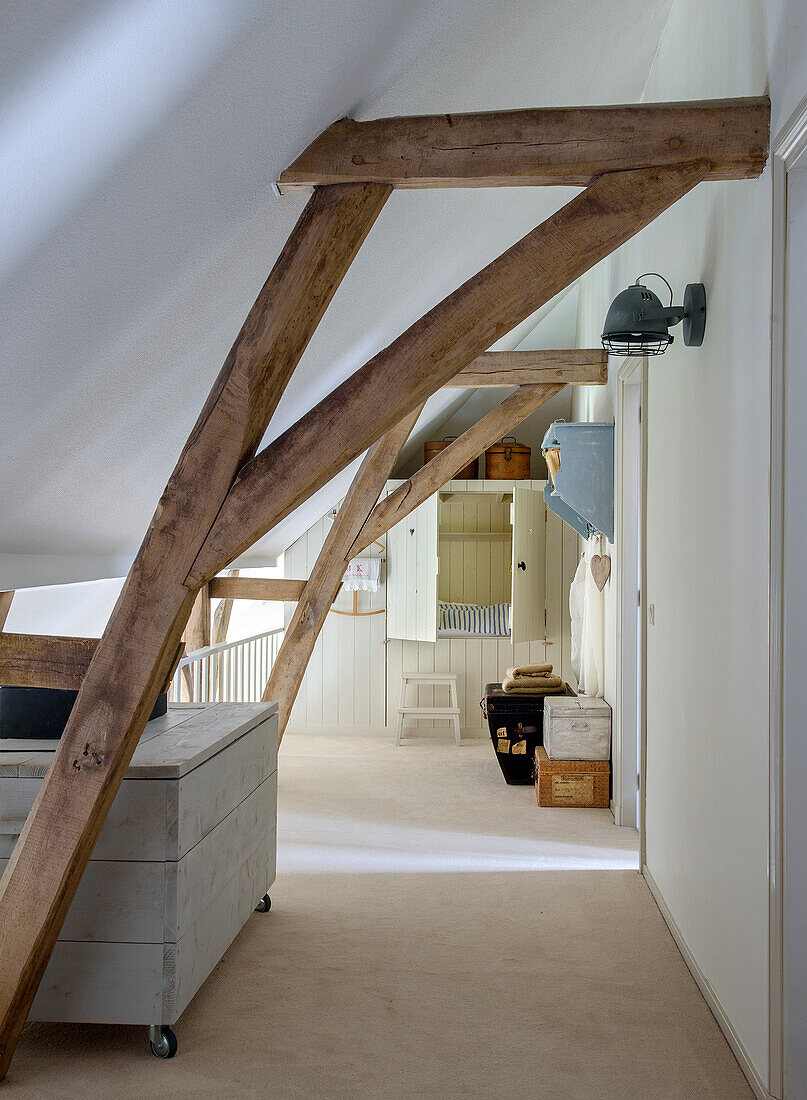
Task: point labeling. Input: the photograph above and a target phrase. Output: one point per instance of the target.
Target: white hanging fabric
(591, 680)
(362, 575)
(577, 594)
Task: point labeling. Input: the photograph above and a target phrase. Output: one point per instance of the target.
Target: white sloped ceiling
(139, 140)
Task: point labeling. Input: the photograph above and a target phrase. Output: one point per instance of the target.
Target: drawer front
(118, 901)
(210, 792)
(158, 819)
(190, 960)
(205, 871)
(104, 983)
(135, 829)
(127, 901)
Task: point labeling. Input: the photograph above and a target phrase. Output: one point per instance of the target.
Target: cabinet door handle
(522, 565)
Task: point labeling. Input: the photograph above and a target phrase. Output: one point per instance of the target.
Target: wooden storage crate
(582, 783)
(577, 728)
(187, 851)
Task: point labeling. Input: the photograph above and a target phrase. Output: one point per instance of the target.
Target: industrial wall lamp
(637, 323)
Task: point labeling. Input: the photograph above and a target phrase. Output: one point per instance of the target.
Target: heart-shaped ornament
(601, 569)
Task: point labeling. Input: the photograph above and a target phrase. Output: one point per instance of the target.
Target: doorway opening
(788, 614)
(630, 515)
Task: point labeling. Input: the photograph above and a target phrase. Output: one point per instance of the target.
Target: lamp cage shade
(628, 331)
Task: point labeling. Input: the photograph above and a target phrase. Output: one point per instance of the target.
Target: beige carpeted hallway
(433, 934)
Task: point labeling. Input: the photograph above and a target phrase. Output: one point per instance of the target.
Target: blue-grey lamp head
(638, 324)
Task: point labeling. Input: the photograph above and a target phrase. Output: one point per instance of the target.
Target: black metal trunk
(516, 721)
(41, 714)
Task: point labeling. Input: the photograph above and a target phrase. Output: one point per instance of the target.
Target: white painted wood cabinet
(187, 852)
(353, 680)
(412, 573)
(455, 547)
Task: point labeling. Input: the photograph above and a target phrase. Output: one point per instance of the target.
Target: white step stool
(434, 679)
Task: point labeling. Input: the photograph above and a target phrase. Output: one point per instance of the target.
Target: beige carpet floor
(433, 934)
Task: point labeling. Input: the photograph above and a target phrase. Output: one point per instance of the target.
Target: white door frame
(788, 147)
(631, 372)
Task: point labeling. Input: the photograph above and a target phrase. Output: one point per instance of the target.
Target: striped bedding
(461, 620)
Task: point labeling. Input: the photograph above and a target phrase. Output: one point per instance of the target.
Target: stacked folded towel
(536, 679)
(524, 671)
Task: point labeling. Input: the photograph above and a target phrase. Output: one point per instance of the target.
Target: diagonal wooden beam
(542, 146)
(326, 576)
(577, 367)
(5, 606)
(433, 350)
(37, 660)
(197, 632)
(256, 588)
(137, 649)
(221, 616)
(448, 462)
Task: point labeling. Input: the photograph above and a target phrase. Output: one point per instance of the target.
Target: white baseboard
(709, 995)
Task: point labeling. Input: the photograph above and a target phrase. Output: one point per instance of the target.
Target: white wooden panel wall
(345, 683)
(477, 661)
(475, 570)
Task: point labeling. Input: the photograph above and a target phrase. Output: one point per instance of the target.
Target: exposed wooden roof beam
(45, 661)
(256, 588)
(221, 617)
(434, 350)
(540, 146)
(198, 630)
(576, 367)
(5, 606)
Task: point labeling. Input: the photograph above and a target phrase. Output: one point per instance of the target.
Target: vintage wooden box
(582, 783)
(434, 446)
(507, 460)
(577, 728)
(187, 852)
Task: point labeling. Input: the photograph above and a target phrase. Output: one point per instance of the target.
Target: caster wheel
(264, 905)
(163, 1042)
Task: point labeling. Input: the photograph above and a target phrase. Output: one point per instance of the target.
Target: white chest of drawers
(187, 851)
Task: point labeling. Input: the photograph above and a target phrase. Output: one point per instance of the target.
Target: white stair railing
(232, 672)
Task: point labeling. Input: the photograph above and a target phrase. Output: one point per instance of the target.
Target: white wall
(707, 538)
(345, 683)
(76, 610)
